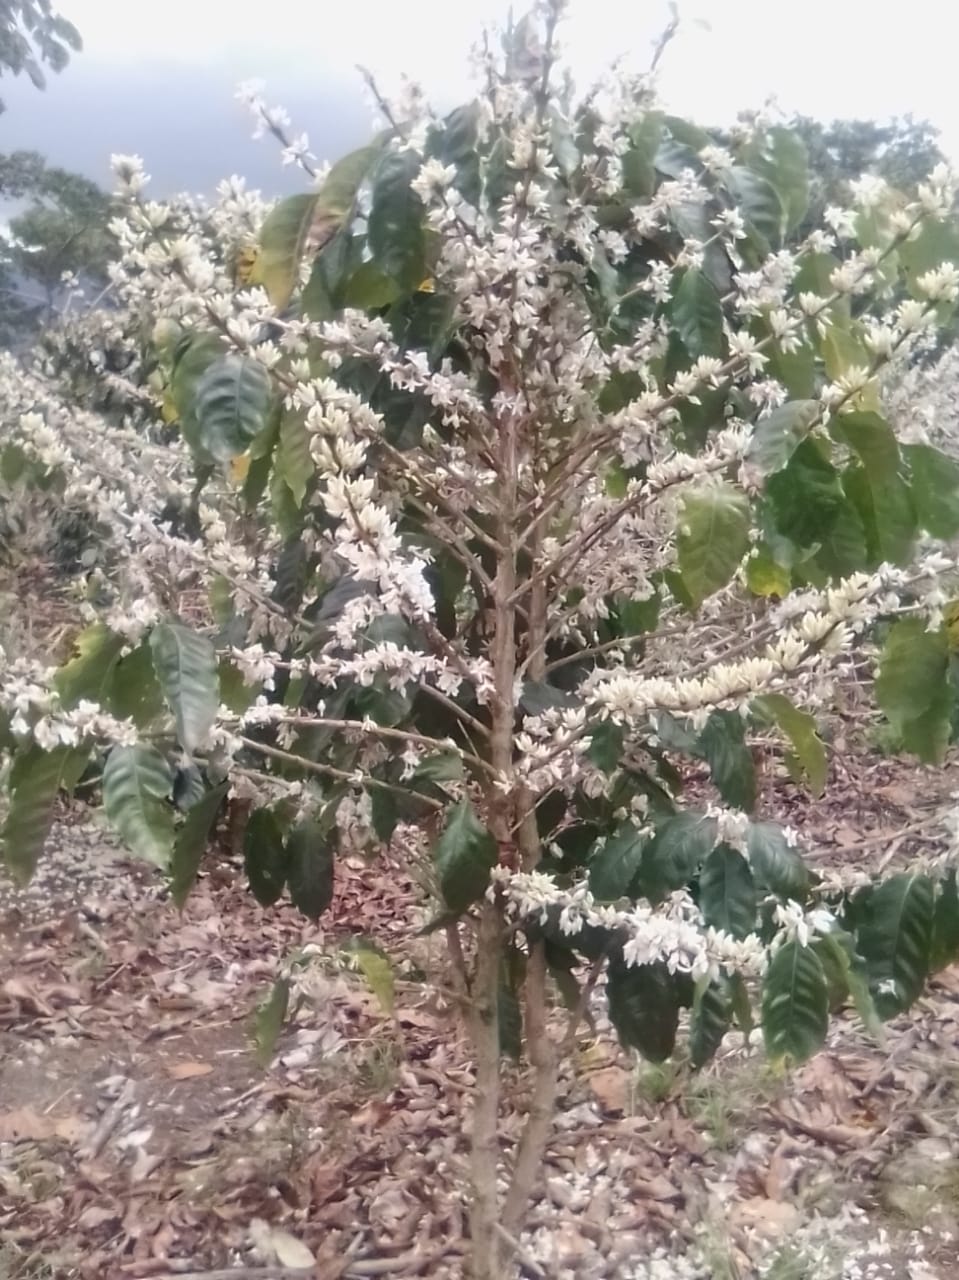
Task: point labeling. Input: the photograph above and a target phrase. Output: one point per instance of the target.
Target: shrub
(525, 455)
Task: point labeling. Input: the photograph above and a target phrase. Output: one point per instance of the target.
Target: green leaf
(890, 514)
(722, 744)
(759, 203)
(676, 852)
(697, 314)
(936, 242)
(809, 753)
(337, 196)
(795, 1003)
(895, 940)
(776, 437)
(739, 1001)
(765, 576)
(309, 869)
(713, 538)
(283, 239)
(639, 161)
(231, 404)
(268, 1023)
(384, 813)
(776, 865)
(780, 157)
(613, 867)
(265, 856)
(912, 686)
(605, 748)
(945, 931)
(195, 355)
(727, 894)
(644, 1008)
(36, 778)
(935, 489)
(134, 689)
(89, 674)
(375, 966)
(465, 855)
(137, 786)
(806, 496)
(294, 462)
(368, 289)
(395, 229)
(185, 665)
(446, 766)
(838, 948)
(191, 842)
(710, 1020)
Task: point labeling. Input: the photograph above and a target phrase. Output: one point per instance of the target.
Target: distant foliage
(33, 35)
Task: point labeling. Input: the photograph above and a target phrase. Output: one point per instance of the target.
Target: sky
(158, 79)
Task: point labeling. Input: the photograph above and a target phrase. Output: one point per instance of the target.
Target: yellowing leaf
(169, 411)
(765, 577)
(428, 286)
(239, 469)
(244, 264)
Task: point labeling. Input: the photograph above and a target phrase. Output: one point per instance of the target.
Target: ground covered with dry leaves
(140, 1138)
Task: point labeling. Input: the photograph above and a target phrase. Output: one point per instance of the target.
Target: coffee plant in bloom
(457, 501)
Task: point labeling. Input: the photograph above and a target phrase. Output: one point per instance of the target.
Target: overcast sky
(158, 78)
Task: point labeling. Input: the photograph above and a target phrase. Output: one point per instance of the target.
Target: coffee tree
(524, 457)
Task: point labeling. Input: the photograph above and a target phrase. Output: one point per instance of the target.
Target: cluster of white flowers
(673, 934)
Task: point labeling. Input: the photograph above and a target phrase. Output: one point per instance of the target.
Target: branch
(341, 775)
(383, 731)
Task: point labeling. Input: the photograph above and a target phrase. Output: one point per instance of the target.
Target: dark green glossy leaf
(465, 855)
(395, 230)
(795, 1003)
(710, 1020)
(36, 778)
(309, 868)
(697, 314)
(895, 936)
(727, 893)
(676, 852)
(265, 856)
(722, 744)
(185, 665)
(775, 864)
(137, 788)
(191, 842)
(230, 404)
(644, 1005)
(614, 865)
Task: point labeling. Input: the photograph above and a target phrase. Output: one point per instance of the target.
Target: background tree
(59, 237)
(903, 152)
(32, 33)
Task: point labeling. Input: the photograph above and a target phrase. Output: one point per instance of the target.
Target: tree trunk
(484, 1216)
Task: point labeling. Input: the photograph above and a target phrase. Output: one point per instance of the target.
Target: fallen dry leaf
(188, 1070)
(611, 1087)
(24, 1125)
